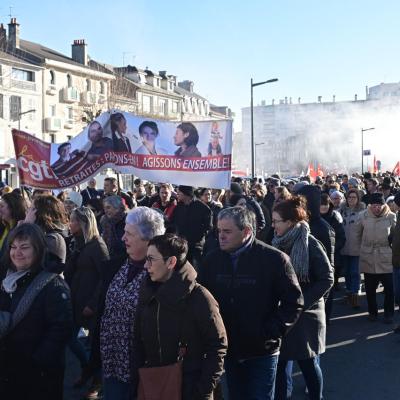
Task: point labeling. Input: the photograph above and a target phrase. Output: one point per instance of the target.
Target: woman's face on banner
(180, 137)
(215, 143)
(148, 135)
(122, 125)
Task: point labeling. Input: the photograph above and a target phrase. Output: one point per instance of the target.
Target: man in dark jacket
(259, 298)
(90, 192)
(192, 220)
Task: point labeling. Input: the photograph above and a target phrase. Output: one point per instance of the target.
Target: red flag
(375, 167)
(320, 172)
(396, 169)
(311, 171)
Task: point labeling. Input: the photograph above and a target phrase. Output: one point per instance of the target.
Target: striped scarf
(295, 243)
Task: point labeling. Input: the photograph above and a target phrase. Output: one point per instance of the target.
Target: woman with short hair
(123, 277)
(177, 313)
(32, 347)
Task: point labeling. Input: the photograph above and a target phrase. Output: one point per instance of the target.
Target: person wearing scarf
(33, 344)
(306, 341)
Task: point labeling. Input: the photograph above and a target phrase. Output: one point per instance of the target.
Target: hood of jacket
(385, 212)
(313, 196)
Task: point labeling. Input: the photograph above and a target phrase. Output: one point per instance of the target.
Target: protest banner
(182, 153)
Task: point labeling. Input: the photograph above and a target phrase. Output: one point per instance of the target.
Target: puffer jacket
(375, 233)
(350, 217)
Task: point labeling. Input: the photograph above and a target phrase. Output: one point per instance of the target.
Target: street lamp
(252, 85)
(21, 114)
(255, 155)
(362, 146)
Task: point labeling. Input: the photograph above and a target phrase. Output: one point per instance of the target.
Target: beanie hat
(236, 188)
(186, 190)
(376, 198)
(354, 181)
(75, 197)
(299, 185)
(397, 199)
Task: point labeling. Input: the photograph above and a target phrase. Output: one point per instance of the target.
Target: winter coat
(192, 221)
(335, 220)
(55, 240)
(374, 233)
(181, 310)
(260, 299)
(396, 244)
(319, 228)
(352, 245)
(32, 354)
(83, 273)
(307, 338)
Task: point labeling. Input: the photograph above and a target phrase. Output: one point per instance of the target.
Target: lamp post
(362, 146)
(252, 85)
(255, 155)
(21, 114)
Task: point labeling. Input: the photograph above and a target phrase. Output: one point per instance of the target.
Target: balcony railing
(24, 85)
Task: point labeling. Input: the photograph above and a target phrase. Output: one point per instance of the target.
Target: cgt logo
(38, 171)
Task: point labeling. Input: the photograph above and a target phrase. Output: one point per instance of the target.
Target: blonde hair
(87, 222)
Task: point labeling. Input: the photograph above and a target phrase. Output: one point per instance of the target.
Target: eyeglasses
(275, 221)
(150, 259)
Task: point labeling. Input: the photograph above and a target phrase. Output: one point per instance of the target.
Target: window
(69, 80)
(1, 106)
(88, 85)
(69, 137)
(146, 104)
(52, 78)
(162, 106)
(52, 138)
(70, 113)
(52, 110)
(15, 107)
(174, 106)
(23, 75)
(102, 88)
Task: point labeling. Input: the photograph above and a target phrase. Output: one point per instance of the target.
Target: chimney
(355, 97)
(319, 99)
(273, 102)
(3, 37)
(13, 34)
(290, 100)
(299, 100)
(333, 98)
(187, 85)
(285, 100)
(79, 51)
(263, 102)
(366, 92)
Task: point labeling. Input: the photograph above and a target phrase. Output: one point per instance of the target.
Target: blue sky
(313, 47)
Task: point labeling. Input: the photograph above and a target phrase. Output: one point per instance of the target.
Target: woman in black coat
(176, 314)
(307, 338)
(32, 351)
(83, 274)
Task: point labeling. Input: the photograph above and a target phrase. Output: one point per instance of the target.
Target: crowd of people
(234, 285)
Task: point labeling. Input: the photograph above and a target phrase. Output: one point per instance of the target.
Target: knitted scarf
(295, 243)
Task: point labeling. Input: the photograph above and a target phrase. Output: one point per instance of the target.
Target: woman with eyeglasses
(351, 250)
(176, 312)
(306, 341)
(122, 277)
(83, 273)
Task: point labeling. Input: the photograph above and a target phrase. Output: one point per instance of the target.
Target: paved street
(361, 363)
